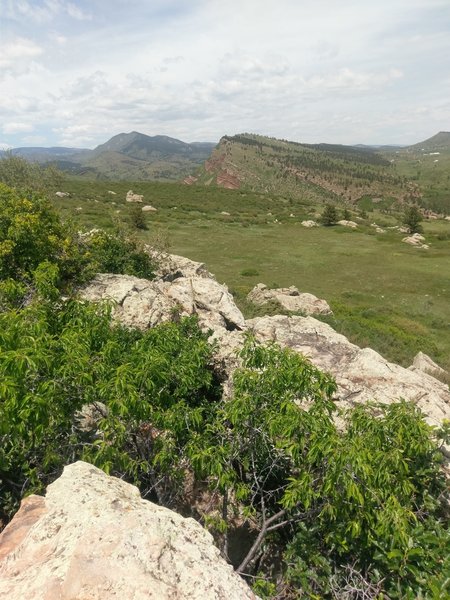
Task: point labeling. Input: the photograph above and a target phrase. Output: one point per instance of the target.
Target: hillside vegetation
(326, 171)
(358, 510)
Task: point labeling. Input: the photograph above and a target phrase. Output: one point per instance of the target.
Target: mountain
(329, 172)
(42, 155)
(126, 156)
(437, 143)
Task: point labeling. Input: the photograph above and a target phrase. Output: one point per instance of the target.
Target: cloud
(17, 128)
(289, 68)
(18, 49)
(42, 11)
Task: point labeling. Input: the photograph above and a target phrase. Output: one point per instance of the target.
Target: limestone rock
(149, 208)
(422, 362)
(132, 197)
(62, 194)
(361, 374)
(415, 240)
(309, 223)
(112, 193)
(142, 303)
(171, 266)
(290, 299)
(93, 538)
(346, 223)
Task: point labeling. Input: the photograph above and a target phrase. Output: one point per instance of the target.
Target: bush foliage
(32, 233)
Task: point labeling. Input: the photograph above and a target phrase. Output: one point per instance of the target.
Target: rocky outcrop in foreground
(185, 287)
(290, 299)
(93, 538)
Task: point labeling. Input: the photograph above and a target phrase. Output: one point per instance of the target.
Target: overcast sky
(77, 72)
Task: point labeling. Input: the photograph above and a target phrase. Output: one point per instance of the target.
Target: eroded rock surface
(93, 538)
(290, 299)
(361, 373)
(142, 303)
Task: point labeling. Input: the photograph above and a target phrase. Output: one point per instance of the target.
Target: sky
(75, 73)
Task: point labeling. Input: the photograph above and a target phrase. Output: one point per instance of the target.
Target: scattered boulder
(290, 299)
(403, 229)
(225, 213)
(132, 197)
(112, 193)
(415, 240)
(149, 208)
(380, 230)
(309, 223)
(346, 223)
(62, 194)
(93, 536)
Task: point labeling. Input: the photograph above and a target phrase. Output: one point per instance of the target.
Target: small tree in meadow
(412, 219)
(329, 216)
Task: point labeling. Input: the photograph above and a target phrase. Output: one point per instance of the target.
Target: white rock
(149, 208)
(93, 538)
(225, 213)
(132, 197)
(309, 223)
(415, 240)
(361, 374)
(62, 194)
(142, 303)
(290, 299)
(112, 193)
(346, 223)
(422, 362)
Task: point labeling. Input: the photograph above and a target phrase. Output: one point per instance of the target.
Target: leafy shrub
(24, 176)
(31, 233)
(57, 359)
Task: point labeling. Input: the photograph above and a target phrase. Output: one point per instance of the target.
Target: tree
(412, 219)
(329, 216)
(137, 218)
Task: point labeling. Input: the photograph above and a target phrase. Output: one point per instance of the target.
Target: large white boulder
(361, 373)
(94, 538)
(289, 299)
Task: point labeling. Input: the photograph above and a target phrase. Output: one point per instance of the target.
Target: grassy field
(385, 294)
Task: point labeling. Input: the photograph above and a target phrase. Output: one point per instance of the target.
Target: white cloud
(76, 12)
(17, 128)
(18, 49)
(290, 68)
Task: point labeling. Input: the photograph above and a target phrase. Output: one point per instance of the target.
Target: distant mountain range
(126, 156)
(330, 172)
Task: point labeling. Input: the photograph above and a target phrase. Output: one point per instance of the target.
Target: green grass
(385, 294)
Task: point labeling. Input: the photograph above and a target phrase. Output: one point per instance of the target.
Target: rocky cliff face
(185, 287)
(93, 538)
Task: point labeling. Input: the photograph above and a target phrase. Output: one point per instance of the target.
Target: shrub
(412, 219)
(32, 233)
(329, 216)
(137, 218)
(18, 173)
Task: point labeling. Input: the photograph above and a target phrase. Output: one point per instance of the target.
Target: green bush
(24, 176)
(31, 233)
(57, 359)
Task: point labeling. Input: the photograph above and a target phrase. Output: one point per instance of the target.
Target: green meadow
(384, 293)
